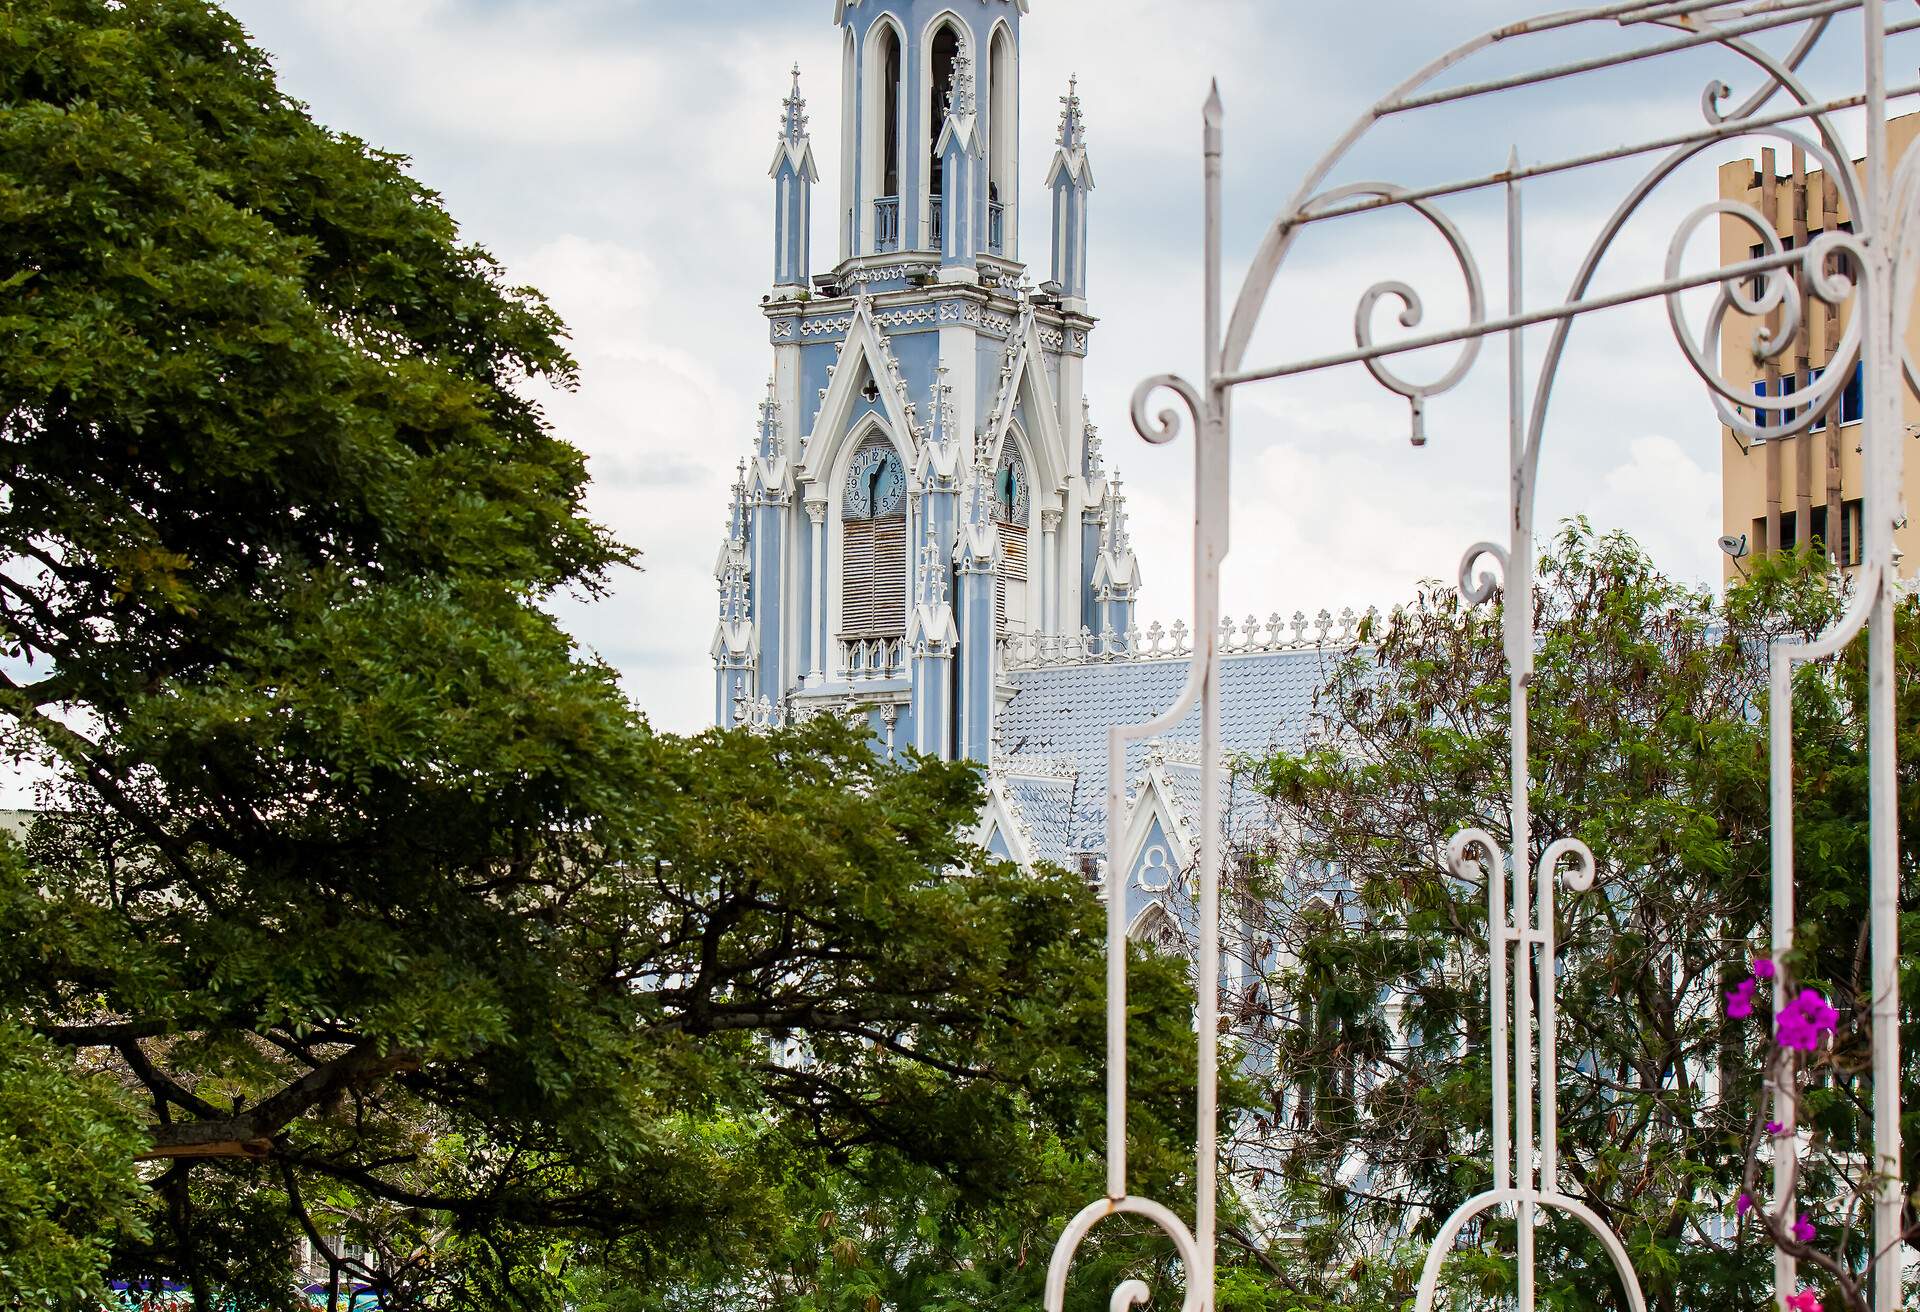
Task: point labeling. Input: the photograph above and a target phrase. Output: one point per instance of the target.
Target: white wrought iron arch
(1885, 246)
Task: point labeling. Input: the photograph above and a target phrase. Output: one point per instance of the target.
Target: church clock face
(876, 484)
(1010, 487)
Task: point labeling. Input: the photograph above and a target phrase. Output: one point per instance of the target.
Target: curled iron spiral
(1478, 588)
(1163, 427)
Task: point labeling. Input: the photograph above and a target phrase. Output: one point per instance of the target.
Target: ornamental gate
(1869, 270)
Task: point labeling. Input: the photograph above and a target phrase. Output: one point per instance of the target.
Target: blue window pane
(1853, 399)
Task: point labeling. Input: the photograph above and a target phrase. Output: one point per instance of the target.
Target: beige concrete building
(1791, 490)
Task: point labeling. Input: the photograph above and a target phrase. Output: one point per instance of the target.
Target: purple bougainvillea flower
(1806, 1020)
(1774, 1127)
(1743, 1204)
(1804, 1301)
(1763, 968)
(1740, 1001)
(1803, 1230)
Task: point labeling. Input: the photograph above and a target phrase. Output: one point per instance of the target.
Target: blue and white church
(925, 532)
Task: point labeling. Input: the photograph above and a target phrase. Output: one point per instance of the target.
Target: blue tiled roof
(1049, 805)
(1062, 712)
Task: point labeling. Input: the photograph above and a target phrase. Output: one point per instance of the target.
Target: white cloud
(1669, 502)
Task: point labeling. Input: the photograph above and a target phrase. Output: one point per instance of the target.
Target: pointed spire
(793, 122)
(736, 606)
(942, 426)
(933, 567)
(1117, 539)
(960, 90)
(978, 492)
(737, 505)
(1094, 460)
(1073, 125)
(772, 445)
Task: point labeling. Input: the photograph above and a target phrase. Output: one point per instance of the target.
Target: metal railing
(937, 221)
(886, 223)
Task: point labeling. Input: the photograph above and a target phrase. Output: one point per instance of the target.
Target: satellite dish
(1734, 545)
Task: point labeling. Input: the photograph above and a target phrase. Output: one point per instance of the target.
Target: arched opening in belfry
(1003, 166)
(946, 49)
(882, 136)
(890, 112)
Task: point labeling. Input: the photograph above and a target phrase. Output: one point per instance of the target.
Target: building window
(1002, 165)
(890, 112)
(1853, 399)
(1011, 502)
(1841, 262)
(1850, 525)
(1758, 287)
(873, 558)
(1819, 420)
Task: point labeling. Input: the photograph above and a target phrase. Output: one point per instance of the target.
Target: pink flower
(1806, 1020)
(1743, 1204)
(1804, 1301)
(1763, 968)
(1774, 1127)
(1803, 1229)
(1740, 1001)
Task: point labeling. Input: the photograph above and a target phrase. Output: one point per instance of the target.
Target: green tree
(366, 907)
(1648, 742)
(67, 1191)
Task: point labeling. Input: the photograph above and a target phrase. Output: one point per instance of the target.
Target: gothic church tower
(924, 486)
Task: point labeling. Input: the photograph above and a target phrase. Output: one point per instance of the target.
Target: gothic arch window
(1003, 163)
(849, 139)
(1012, 506)
(890, 112)
(883, 133)
(940, 59)
(873, 558)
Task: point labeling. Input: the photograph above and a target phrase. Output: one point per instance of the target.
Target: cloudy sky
(614, 154)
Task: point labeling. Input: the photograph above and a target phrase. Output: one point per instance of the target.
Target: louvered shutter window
(1010, 587)
(874, 578)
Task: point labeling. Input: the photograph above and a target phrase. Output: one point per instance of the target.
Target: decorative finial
(770, 435)
(1073, 125)
(1118, 539)
(933, 568)
(960, 91)
(793, 123)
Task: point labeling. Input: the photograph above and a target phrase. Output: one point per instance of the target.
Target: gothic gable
(1002, 829)
(1025, 385)
(865, 352)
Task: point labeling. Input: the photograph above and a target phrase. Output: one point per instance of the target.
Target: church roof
(1053, 733)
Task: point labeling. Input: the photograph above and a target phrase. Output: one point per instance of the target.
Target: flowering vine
(1805, 1022)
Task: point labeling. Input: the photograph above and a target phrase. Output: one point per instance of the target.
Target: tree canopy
(365, 909)
(1648, 742)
